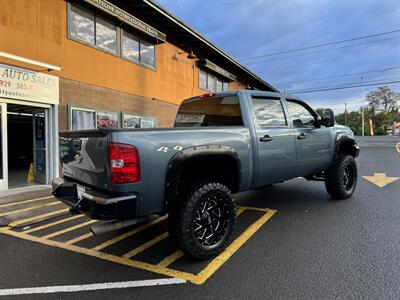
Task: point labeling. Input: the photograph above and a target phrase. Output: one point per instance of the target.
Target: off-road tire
(185, 216)
(341, 177)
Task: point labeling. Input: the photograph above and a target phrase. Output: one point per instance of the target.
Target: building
(96, 63)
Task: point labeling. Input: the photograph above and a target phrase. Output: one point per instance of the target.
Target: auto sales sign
(23, 84)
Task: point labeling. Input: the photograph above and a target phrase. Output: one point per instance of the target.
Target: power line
(339, 76)
(342, 88)
(322, 50)
(322, 45)
(331, 61)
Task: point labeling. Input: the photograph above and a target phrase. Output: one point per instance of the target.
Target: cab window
(269, 112)
(300, 115)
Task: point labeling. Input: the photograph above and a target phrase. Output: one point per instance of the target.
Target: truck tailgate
(84, 157)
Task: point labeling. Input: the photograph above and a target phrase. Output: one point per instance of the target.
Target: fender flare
(180, 159)
(342, 138)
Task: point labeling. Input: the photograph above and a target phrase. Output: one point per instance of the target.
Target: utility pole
(345, 113)
(362, 106)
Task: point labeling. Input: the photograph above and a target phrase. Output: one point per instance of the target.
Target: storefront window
(82, 119)
(131, 121)
(106, 35)
(147, 122)
(81, 25)
(130, 46)
(225, 86)
(106, 119)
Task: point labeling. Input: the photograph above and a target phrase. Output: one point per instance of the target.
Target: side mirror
(328, 119)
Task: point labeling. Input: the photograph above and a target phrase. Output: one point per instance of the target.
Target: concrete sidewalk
(19, 194)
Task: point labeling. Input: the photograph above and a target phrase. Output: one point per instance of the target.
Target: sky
(249, 28)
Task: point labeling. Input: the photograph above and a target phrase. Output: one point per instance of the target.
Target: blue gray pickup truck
(221, 144)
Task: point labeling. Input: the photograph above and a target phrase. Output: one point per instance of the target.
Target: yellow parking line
(79, 238)
(13, 212)
(171, 259)
(57, 233)
(216, 263)
(34, 218)
(128, 234)
(104, 256)
(145, 246)
(239, 211)
(25, 201)
(53, 224)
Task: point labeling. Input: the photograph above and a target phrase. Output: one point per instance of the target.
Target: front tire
(203, 221)
(341, 178)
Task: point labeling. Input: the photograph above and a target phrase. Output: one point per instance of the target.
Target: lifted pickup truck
(221, 144)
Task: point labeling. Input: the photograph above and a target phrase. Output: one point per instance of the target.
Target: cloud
(255, 27)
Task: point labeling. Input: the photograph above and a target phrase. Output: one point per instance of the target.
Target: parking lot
(291, 241)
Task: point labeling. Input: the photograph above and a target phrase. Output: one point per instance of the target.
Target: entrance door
(40, 160)
(3, 147)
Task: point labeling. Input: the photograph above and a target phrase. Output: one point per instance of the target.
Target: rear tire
(203, 220)
(341, 178)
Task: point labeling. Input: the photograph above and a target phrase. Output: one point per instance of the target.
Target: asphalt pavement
(312, 247)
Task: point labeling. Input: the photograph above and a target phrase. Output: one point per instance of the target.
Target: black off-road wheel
(203, 220)
(341, 178)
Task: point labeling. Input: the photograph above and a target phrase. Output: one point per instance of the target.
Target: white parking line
(90, 287)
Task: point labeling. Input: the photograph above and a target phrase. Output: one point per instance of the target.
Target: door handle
(266, 138)
(302, 136)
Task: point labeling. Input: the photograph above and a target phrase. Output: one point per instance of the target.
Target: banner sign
(127, 18)
(22, 84)
(205, 63)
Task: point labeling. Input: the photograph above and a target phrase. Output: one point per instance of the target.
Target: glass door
(40, 146)
(3, 147)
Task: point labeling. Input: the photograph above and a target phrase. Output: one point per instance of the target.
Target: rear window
(215, 111)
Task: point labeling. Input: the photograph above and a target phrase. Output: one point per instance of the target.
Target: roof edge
(193, 32)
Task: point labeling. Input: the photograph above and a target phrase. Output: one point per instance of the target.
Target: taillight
(124, 163)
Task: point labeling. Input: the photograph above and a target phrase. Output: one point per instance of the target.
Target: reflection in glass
(147, 53)
(211, 82)
(219, 86)
(106, 35)
(300, 115)
(81, 25)
(202, 79)
(269, 112)
(130, 46)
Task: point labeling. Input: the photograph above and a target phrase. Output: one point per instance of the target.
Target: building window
(202, 79)
(107, 119)
(82, 119)
(130, 46)
(133, 121)
(90, 28)
(106, 35)
(210, 82)
(81, 25)
(137, 49)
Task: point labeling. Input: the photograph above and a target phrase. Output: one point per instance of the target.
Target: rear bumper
(96, 204)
